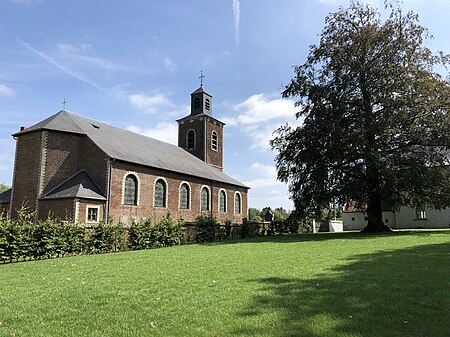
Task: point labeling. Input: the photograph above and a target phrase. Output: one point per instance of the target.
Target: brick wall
(45, 159)
(62, 158)
(82, 207)
(214, 158)
(27, 173)
(68, 153)
(196, 124)
(146, 180)
(63, 209)
(95, 162)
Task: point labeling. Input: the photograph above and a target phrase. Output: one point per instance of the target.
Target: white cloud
(263, 169)
(81, 56)
(264, 176)
(169, 64)
(166, 132)
(258, 117)
(157, 103)
(237, 20)
(79, 62)
(6, 91)
(151, 103)
(70, 48)
(261, 108)
(26, 2)
(65, 69)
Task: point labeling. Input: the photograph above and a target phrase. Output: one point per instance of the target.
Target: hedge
(24, 239)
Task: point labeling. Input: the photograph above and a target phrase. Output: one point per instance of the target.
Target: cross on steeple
(201, 77)
(64, 104)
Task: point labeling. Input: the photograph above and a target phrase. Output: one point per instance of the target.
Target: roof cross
(201, 77)
(64, 104)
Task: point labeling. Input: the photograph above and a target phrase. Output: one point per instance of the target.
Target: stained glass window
(184, 196)
(130, 190)
(223, 201)
(237, 203)
(205, 199)
(160, 193)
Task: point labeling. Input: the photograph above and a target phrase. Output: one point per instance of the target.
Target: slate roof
(80, 185)
(132, 147)
(188, 117)
(200, 90)
(5, 197)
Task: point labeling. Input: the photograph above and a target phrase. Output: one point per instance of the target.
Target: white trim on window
(189, 195)
(214, 141)
(127, 173)
(166, 192)
(240, 202)
(95, 213)
(209, 198)
(187, 139)
(226, 201)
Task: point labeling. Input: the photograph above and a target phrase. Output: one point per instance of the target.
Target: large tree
(375, 111)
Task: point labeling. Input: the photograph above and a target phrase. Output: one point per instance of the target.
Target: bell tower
(200, 133)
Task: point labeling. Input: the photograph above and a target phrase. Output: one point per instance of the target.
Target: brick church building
(77, 168)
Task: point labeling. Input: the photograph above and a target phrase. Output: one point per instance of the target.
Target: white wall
(404, 218)
(358, 220)
(336, 226)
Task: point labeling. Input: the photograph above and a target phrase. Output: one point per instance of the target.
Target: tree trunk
(374, 208)
(375, 215)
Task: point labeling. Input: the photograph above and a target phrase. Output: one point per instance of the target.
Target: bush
(207, 228)
(250, 229)
(23, 239)
(145, 234)
(104, 238)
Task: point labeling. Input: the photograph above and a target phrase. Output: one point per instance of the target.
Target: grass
(337, 284)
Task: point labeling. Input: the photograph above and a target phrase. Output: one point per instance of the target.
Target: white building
(405, 217)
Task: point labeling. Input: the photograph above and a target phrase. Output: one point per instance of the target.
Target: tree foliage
(4, 187)
(254, 214)
(375, 110)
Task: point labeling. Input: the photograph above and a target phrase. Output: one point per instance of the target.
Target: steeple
(201, 101)
(199, 132)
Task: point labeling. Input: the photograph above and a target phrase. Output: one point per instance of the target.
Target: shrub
(145, 234)
(170, 232)
(249, 229)
(207, 228)
(105, 238)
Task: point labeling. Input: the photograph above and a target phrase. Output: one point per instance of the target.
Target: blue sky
(133, 64)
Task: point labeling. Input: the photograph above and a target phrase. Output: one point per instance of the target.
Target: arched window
(222, 201)
(205, 199)
(184, 196)
(130, 190)
(191, 139)
(197, 103)
(214, 141)
(160, 193)
(207, 104)
(237, 203)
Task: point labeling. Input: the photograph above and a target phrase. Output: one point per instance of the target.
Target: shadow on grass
(353, 235)
(402, 292)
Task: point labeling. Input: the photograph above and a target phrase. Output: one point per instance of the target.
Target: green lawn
(343, 284)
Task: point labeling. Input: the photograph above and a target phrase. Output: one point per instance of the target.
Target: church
(83, 170)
